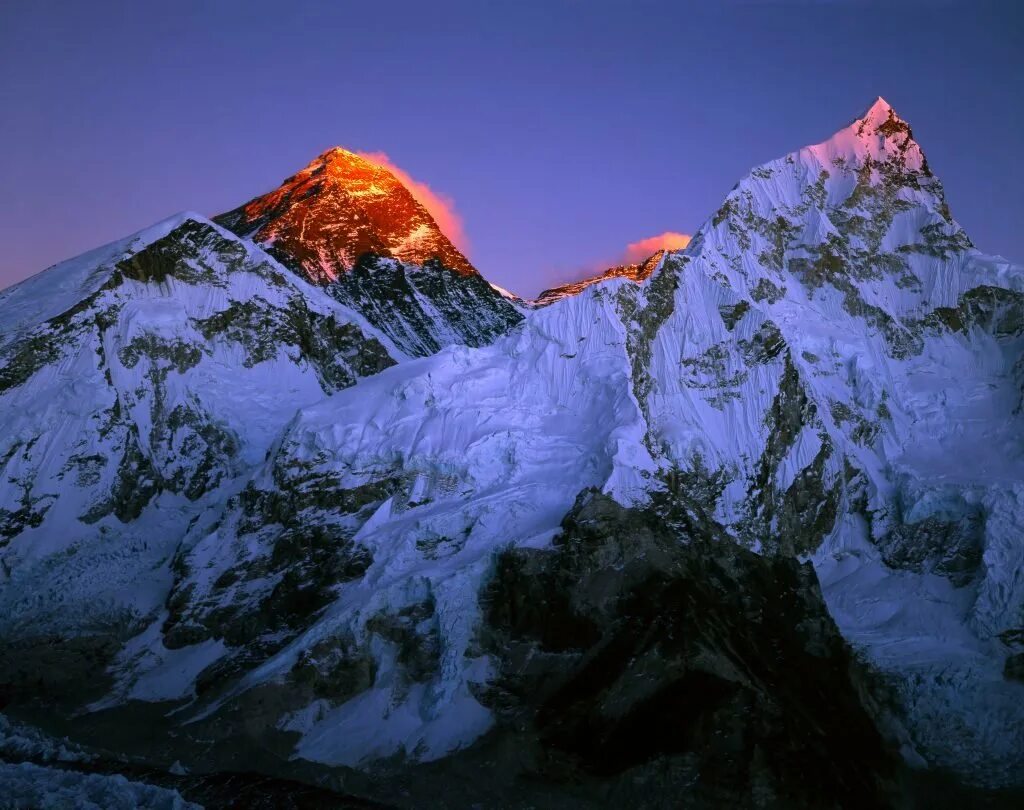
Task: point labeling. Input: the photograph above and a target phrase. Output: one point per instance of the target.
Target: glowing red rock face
(641, 271)
(338, 208)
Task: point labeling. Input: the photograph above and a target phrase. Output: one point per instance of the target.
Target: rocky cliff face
(338, 208)
(350, 225)
(776, 433)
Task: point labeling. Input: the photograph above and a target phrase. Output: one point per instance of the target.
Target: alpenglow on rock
(751, 515)
(349, 224)
(641, 271)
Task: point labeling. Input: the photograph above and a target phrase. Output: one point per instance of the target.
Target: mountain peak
(879, 134)
(879, 111)
(881, 119)
(337, 152)
(339, 207)
(340, 162)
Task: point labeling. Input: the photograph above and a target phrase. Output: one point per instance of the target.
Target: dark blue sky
(562, 129)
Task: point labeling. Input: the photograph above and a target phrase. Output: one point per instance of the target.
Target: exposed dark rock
(182, 255)
(764, 345)
(26, 357)
(414, 631)
(765, 290)
(806, 510)
(732, 313)
(305, 564)
(949, 548)
(135, 485)
(335, 668)
(61, 672)
(644, 319)
(339, 352)
(664, 666)
(30, 513)
(1014, 667)
(634, 272)
(392, 296)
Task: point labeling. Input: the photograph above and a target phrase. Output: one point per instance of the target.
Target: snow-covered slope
(906, 344)
(829, 371)
(348, 223)
(138, 381)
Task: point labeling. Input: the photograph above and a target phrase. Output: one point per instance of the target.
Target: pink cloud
(440, 206)
(669, 240)
(634, 253)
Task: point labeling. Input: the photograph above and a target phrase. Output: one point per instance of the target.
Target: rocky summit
(298, 508)
(349, 224)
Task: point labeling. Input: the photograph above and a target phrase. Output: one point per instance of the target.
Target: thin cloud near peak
(640, 250)
(634, 253)
(439, 205)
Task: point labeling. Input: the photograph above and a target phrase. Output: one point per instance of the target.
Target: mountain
(138, 382)
(744, 532)
(640, 271)
(338, 208)
(350, 224)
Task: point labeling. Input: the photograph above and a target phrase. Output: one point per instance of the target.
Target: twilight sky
(561, 130)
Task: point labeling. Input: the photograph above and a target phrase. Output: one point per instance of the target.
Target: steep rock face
(635, 272)
(425, 308)
(348, 223)
(338, 208)
(404, 501)
(465, 453)
(138, 381)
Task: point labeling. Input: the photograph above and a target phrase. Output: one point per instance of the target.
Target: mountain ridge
(409, 568)
(638, 271)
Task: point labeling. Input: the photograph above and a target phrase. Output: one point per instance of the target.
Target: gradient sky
(562, 130)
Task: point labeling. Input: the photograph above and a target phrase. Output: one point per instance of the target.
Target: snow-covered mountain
(736, 526)
(139, 380)
(350, 224)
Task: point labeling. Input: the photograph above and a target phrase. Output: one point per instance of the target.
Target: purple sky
(562, 130)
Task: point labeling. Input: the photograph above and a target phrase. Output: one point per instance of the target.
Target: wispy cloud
(633, 253)
(440, 206)
(669, 240)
